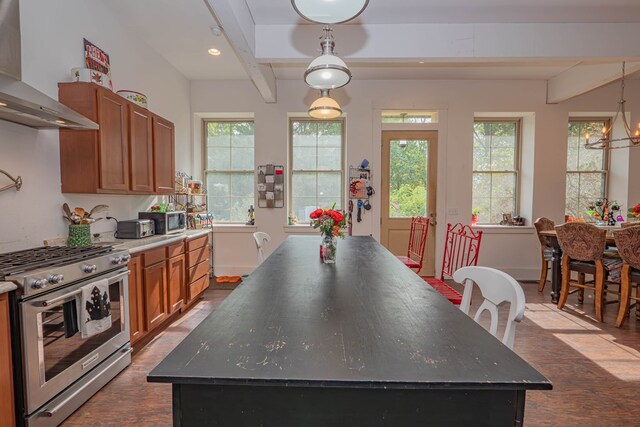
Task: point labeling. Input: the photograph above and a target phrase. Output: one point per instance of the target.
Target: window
(316, 172)
(586, 169)
(409, 117)
(495, 168)
(229, 169)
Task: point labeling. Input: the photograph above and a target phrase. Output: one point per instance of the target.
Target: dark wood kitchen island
(364, 342)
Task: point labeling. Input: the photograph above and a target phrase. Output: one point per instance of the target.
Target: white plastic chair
(496, 287)
(260, 239)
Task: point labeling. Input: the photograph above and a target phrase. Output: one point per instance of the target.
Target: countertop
(365, 321)
(140, 245)
(7, 287)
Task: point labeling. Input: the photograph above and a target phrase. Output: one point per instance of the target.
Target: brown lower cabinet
(7, 417)
(163, 283)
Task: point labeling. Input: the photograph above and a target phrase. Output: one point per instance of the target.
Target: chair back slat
(461, 249)
(628, 244)
(418, 238)
(581, 241)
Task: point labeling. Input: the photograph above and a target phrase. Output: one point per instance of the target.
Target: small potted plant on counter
(474, 216)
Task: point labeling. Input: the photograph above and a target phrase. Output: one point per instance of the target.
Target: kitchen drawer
(198, 256)
(197, 287)
(198, 242)
(198, 271)
(154, 256)
(175, 249)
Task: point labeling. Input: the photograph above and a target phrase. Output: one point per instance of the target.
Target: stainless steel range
(57, 370)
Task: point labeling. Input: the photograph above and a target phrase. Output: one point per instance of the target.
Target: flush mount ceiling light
(327, 71)
(325, 107)
(214, 52)
(606, 141)
(329, 11)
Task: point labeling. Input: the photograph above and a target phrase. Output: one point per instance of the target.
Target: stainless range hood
(19, 102)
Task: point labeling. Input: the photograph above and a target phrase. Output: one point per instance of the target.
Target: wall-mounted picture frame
(270, 185)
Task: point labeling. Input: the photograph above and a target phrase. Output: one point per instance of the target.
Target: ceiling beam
(238, 26)
(584, 78)
(451, 42)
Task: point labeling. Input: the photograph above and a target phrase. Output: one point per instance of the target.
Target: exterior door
(409, 161)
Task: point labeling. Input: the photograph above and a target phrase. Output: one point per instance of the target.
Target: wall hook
(17, 182)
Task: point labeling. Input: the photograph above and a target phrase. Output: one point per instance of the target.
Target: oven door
(55, 355)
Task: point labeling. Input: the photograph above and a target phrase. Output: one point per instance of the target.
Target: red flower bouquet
(634, 212)
(330, 222)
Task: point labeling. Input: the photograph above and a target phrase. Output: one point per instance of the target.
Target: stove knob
(116, 260)
(89, 268)
(39, 283)
(126, 258)
(55, 278)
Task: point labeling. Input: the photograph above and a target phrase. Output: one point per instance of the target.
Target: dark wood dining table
(364, 342)
(556, 261)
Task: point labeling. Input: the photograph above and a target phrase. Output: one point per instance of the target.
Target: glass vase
(329, 248)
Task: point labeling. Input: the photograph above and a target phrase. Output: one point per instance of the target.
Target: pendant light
(327, 71)
(325, 107)
(329, 11)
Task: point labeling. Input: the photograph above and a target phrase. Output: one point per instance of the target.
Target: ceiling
(271, 37)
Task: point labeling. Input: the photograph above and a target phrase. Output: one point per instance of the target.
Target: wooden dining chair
(546, 251)
(496, 287)
(417, 240)
(583, 248)
(628, 244)
(461, 249)
(260, 239)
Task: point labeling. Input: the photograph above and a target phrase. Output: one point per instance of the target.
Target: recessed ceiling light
(60, 121)
(2, 104)
(214, 52)
(420, 62)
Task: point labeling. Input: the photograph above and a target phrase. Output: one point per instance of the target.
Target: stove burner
(31, 259)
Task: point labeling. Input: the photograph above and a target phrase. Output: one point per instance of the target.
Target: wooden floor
(594, 367)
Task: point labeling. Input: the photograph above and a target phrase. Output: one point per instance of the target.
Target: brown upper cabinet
(131, 153)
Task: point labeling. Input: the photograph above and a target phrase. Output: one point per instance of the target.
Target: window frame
(605, 160)
(290, 169)
(517, 163)
(205, 160)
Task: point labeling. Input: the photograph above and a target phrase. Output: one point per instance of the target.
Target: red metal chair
(417, 240)
(461, 249)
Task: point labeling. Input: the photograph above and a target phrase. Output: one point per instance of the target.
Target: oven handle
(51, 412)
(77, 291)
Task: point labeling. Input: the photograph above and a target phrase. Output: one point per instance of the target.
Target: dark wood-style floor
(594, 367)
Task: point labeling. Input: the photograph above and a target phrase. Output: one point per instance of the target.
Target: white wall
(52, 33)
(513, 250)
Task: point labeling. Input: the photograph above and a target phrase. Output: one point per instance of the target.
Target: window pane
(230, 147)
(304, 158)
(495, 183)
(316, 149)
(408, 178)
(242, 158)
(585, 180)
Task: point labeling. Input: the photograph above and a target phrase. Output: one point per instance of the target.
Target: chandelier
(327, 71)
(325, 107)
(329, 11)
(606, 141)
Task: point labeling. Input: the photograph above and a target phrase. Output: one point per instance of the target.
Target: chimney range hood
(19, 102)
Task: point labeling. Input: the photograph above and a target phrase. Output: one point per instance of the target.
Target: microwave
(167, 222)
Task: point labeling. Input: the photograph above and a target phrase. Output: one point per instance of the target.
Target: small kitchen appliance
(167, 222)
(135, 228)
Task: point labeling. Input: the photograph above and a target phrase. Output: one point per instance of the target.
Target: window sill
(300, 229)
(505, 229)
(234, 228)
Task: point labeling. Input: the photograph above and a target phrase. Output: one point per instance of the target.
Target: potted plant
(474, 216)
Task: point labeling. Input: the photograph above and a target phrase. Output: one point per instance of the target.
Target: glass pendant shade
(329, 11)
(325, 107)
(327, 72)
